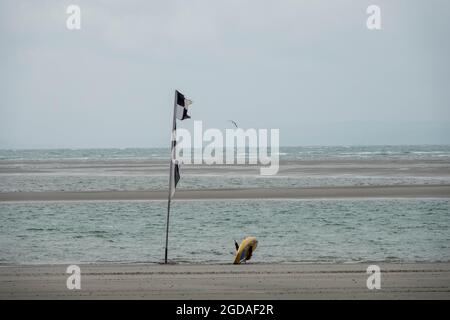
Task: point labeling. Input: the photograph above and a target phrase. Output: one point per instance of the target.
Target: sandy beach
(288, 168)
(250, 281)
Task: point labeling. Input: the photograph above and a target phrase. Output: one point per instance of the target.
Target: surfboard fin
(236, 245)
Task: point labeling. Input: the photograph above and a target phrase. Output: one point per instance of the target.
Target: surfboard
(246, 249)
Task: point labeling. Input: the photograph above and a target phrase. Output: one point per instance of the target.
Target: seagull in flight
(234, 122)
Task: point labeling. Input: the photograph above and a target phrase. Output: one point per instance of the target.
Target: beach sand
(250, 281)
(411, 191)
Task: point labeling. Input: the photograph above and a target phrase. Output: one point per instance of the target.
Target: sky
(310, 68)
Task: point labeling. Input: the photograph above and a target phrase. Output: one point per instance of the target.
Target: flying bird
(234, 122)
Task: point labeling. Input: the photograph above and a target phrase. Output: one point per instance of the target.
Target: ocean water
(147, 169)
(304, 231)
(319, 231)
(405, 152)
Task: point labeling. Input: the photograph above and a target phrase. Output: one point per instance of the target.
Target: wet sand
(288, 168)
(423, 191)
(250, 281)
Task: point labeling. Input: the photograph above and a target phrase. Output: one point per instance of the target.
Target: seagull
(234, 122)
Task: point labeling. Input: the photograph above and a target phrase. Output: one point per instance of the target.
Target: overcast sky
(310, 68)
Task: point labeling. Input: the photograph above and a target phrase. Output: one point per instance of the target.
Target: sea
(203, 231)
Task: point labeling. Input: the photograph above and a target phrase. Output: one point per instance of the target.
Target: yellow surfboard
(246, 249)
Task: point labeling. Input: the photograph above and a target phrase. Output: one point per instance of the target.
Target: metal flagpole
(172, 157)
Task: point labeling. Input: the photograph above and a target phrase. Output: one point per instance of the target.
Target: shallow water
(147, 169)
(319, 231)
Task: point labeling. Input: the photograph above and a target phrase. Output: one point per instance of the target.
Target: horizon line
(281, 146)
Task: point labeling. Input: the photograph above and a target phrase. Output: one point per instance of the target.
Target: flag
(181, 109)
(182, 106)
(174, 177)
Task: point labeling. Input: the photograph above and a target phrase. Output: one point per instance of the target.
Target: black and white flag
(174, 177)
(182, 106)
(180, 112)
(181, 109)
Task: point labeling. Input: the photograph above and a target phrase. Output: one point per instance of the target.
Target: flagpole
(172, 157)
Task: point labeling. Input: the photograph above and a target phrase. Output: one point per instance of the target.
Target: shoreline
(249, 281)
(220, 264)
(400, 191)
